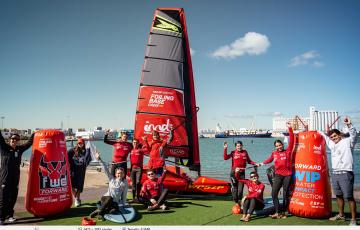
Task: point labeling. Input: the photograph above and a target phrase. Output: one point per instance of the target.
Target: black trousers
(8, 197)
(107, 204)
(252, 204)
(284, 182)
(237, 187)
(135, 177)
(160, 200)
(114, 166)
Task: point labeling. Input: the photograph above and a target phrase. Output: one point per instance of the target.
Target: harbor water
(211, 156)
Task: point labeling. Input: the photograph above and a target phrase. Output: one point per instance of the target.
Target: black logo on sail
(164, 24)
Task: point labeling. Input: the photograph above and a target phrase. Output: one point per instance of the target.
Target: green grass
(183, 211)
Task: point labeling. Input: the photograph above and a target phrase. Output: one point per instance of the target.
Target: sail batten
(166, 94)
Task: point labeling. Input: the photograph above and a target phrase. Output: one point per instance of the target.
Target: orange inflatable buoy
(49, 184)
(87, 221)
(311, 195)
(236, 210)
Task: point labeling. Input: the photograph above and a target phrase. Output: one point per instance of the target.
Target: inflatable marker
(311, 196)
(49, 185)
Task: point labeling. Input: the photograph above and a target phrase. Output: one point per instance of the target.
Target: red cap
(80, 140)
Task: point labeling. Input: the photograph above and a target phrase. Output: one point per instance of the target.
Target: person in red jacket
(283, 173)
(254, 199)
(152, 195)
(136, 160)
(239, 159)
(156, 149)
(122, 148)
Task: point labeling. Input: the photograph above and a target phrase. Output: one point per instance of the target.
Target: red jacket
(282, 160)
(137, 157)
(239, 159)
(152, 188)
(254, 190)
(121, 149)
(156, 148)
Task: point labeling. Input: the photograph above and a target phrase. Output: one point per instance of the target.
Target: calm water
(211, 155)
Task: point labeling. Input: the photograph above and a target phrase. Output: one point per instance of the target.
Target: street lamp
(2, 122)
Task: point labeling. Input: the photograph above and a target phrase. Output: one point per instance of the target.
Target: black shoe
(94, 213)
(113, 210)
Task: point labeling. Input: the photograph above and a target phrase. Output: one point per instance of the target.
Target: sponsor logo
(158, 100)
(164, 24)
(177, 151)
(53, 176)
(317, 149)
(44, 142)
(300, 146)
(162, 128)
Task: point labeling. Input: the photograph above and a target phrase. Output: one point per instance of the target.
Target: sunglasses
(254, 177)
(150, 174)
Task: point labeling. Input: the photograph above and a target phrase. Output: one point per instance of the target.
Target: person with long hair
(283, 173)
(239, 159)
(254, 199)
(79, 158)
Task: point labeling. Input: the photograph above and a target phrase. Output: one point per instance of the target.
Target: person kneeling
(254, 199)
(152, 193)
(116, 194)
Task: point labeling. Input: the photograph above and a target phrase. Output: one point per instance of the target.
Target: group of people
(341, 145)
(151, 193)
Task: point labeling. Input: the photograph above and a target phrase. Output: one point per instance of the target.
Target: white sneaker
(12, 220)
(164, 207)
(77, 202)
(353, 223)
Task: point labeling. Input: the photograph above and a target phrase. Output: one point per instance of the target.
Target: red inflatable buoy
(311, 195)
(49, 184)
(236, 210)
(87, 221)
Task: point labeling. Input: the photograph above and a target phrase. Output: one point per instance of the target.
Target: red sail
(166, 97)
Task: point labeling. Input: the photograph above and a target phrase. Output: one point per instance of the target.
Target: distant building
(317, 120)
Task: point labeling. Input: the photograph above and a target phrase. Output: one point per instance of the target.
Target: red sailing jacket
(239, 159)
(156, 148)
(282, 160)
(152, 188)
(254, 190)
(137, 157)
(121, 149)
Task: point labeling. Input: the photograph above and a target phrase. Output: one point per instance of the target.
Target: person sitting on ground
(342, 163)
(122, 148)
(152, 195)
(254, 199)
(136, 160)
(283, 174)
(117, 191)
(239, 159)
(79, 158)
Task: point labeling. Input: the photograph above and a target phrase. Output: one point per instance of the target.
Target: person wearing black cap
(10, 161)
(79, 159)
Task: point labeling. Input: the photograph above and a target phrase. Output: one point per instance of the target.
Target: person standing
(10, 161)
(239, 159)
(254, 199)
(342, 163)
(79, 159)
(156, 149)
(136, 160)
(283, 173)
(122, 148)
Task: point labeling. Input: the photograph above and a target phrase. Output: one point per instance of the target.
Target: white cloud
(252, 44)
(307, 58)
(192, 52)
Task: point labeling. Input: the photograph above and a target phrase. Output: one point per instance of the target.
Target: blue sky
(79, 62)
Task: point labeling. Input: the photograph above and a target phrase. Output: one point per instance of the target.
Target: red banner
(145, 124)
(160, 100)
